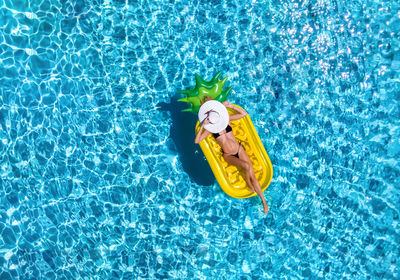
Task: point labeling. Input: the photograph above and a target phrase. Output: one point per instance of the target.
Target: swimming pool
(99, 176)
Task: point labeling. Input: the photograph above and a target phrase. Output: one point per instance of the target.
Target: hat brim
(219, 108)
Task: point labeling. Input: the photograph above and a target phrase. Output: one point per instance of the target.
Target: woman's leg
(257, 188)
(244, 162)
(241, 164)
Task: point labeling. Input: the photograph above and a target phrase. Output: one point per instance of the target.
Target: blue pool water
(99, 177)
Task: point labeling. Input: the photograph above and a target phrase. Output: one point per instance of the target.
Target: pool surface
(99, 176)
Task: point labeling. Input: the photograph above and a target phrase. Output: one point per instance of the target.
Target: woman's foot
(266, 208)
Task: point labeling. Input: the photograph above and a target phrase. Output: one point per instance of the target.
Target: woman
(233, 152)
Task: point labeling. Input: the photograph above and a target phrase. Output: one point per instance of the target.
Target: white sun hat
(217, 115)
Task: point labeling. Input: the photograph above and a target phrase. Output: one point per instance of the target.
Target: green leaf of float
(207, 84)
(210, 92)
(201, 83)
(214, 91)
(188, 110)
(185, 99)
(212, 88)
(222, 82)
(224, 95)
(216, 77)
(195, 109)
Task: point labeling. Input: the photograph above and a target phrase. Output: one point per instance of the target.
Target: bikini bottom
(237, 154)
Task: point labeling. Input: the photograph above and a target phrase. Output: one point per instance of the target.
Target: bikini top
(228, 129)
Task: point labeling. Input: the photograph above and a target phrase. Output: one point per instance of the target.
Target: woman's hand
(240, 112)
(202, 133)
(206, 121)
(227, 104)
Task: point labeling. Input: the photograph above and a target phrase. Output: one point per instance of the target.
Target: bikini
(228, 129)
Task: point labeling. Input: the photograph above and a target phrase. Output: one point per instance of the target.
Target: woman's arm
(202, 133)
(240, 112)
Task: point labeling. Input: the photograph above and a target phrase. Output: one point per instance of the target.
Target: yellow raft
(229, 177)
